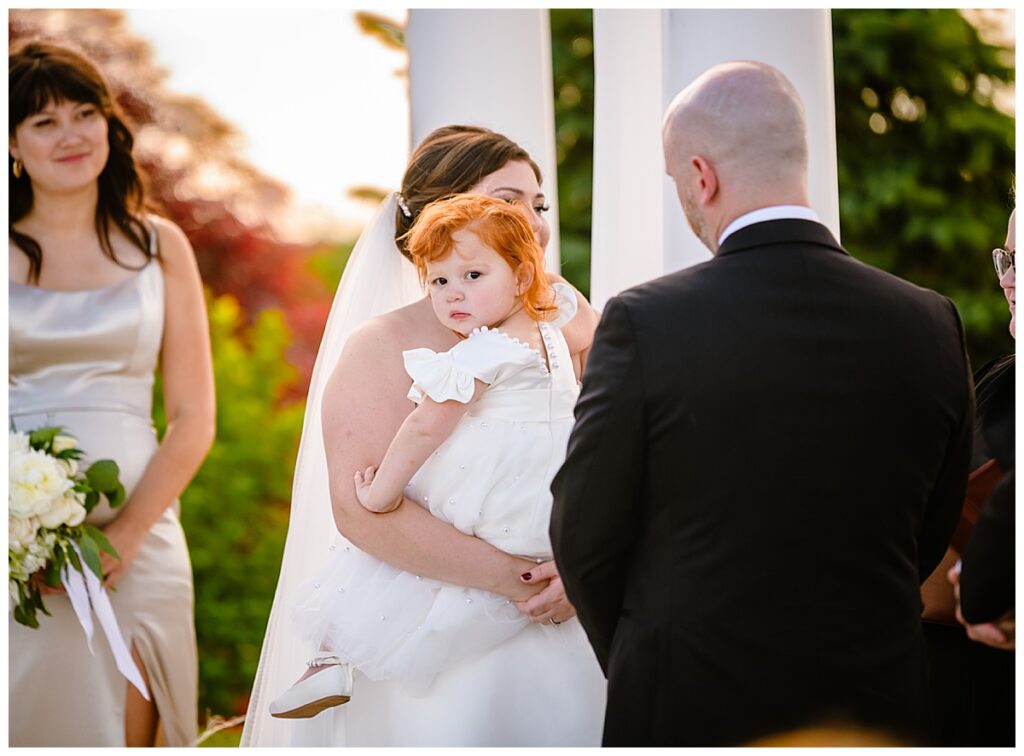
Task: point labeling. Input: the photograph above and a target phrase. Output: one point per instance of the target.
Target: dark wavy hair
(40, 73)
(452, 160)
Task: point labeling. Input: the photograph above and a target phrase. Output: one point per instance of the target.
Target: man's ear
(708, 179)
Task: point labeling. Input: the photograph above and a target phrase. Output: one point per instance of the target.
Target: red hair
(497, 224)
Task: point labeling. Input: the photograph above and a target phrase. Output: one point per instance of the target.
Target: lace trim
(541, 363)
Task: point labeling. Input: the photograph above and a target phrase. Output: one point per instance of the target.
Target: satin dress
(85, 360)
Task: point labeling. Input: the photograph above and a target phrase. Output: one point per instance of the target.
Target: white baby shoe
(328, 687)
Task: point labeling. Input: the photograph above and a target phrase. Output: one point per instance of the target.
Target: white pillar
(488, 68)
(642, 60)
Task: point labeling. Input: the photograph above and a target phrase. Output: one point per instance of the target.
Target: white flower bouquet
(47, 504)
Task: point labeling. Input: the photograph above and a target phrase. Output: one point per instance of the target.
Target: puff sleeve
(565, 298)
(486, 355)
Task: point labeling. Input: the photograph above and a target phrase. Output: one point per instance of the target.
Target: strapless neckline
(94, 290)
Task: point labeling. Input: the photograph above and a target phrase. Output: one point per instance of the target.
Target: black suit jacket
(987, 586)
(770, 454)
(987, 577)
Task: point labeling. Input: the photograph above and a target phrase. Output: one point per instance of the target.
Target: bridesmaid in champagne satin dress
(99, 292)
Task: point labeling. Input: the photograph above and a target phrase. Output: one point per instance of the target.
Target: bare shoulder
(407, 327)
(385, 333)
(367, 388)
(373, 345)
(372, 355)
(175, 250)
(374, 349)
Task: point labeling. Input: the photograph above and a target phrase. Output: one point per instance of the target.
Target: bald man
(770, 453)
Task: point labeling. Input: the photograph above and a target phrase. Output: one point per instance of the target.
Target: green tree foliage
(235, 512)
(572, 62)
(328, 265)
(925, 157)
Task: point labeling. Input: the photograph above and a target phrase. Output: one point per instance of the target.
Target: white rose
(18, 442)
(33, 562)
(37, 481)
(76, 512)
(68, 510)
(21, 532)
(63, 443)
(41, 548)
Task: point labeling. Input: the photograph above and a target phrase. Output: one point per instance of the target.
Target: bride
(541, 687)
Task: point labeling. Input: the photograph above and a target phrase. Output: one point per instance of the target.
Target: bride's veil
(377, 279)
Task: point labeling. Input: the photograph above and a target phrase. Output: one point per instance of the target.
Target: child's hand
(363, 481)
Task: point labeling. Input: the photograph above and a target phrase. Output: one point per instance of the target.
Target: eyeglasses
(1003, 261)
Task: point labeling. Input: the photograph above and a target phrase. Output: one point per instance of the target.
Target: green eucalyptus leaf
(101, 540)
(102, 475)
(91, 555)
(42, 438)
(92, 498)
(73, 558)
(37, 602)
(116, 497)
(52, 575)
(26, 615)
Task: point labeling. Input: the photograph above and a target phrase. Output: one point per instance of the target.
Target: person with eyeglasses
(972, 675)
(1006, 269)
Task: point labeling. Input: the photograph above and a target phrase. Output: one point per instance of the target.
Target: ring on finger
(553, 621)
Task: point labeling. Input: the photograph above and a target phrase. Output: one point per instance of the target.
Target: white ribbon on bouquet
(85, 590)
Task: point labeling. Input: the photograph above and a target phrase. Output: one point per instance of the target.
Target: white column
(642, 60)
(488, 68)
(627, 244)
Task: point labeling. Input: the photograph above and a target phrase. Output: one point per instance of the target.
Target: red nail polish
(526, 575)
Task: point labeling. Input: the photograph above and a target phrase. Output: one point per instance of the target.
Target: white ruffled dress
(491, 478)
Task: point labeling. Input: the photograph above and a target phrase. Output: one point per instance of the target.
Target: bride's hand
(514, 587)
(550, 604)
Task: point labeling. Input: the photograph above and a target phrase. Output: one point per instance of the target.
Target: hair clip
(401, 204)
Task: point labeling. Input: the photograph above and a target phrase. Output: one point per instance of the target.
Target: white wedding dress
(490, 478)
(508, 683)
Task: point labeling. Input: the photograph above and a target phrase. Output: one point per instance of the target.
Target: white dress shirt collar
(775, 212)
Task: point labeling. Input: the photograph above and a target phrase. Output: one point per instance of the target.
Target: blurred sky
(319, 103)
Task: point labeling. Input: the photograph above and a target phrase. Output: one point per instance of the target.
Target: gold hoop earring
(17, 168)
